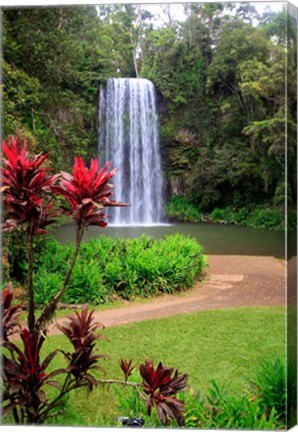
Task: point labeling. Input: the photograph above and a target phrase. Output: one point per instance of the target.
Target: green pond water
(216, 239)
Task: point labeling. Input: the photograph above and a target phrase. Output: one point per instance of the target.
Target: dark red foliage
(24, 374)
(24, 185)
(127, 368)
(10, 312)
(161, 384)
(87, 192)
(81, 332)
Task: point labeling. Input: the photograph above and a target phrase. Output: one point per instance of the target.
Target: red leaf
(87, 192)
(24, 184)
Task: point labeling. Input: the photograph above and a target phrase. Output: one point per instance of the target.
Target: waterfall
(129, 138)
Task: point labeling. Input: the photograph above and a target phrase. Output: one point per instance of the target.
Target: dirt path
(231, 281)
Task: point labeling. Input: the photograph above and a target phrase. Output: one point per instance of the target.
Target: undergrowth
(180, 209)
(213, 407)
(266, 218)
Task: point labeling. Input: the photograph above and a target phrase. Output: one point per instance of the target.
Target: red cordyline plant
(23, 378)
(159, 388)
(28, 192)
(127, 368)
(87, 192)
(81, 332)
(161, 385)
(23, 184)
(26, 378)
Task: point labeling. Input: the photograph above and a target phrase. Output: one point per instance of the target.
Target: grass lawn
(225, 345)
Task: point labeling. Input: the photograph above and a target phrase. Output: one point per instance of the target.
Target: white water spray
(129, 138)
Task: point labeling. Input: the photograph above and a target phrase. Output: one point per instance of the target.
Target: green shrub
(182, 210)
(46, 285)
(86, 284)
(111, 267)
(168, 131)
(268, 218)
(220, 215)
(230, 215)
(131, 405)
(270, 386)
(216, 409)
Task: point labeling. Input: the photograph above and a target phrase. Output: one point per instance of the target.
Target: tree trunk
(31, 313)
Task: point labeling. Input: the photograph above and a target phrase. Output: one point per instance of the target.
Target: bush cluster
(217, 409)
(267, 217)
(180, 209)
(108, 268)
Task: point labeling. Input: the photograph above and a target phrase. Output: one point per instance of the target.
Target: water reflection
(216, 239)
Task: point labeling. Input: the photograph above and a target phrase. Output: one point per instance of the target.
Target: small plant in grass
(127, 368)
(29, 197)
(270, 386)
(162, 384)
(158, 388)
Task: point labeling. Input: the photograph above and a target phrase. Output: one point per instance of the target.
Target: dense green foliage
(111, 268)
(270, 383)
(269, 218)
(181, 210)
(220, 80)
(54, 58)
(215, 408)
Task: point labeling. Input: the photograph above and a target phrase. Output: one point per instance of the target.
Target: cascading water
(129, 138)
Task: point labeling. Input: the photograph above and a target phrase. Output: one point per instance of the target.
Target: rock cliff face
(179, 151)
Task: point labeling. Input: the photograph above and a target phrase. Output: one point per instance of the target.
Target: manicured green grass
(224, 345)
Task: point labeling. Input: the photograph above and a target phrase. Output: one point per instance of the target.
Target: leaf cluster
(161, 385)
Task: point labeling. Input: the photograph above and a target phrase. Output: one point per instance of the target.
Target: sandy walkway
(231, 281)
